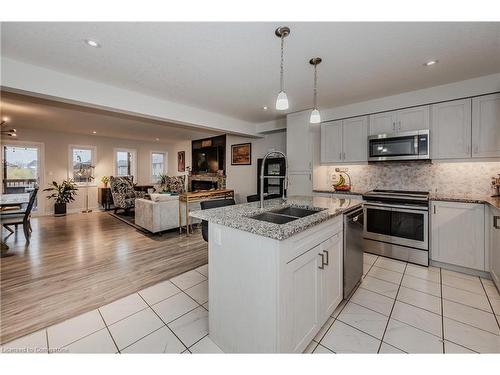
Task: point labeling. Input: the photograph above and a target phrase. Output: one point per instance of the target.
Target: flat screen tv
(206, 160)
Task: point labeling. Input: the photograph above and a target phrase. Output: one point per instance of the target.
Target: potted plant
(105, 181)
(163, 182)
(63, 194)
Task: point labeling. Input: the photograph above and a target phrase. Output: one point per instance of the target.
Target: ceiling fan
(8, 132)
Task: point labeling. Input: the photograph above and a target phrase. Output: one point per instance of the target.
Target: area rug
(128, 218)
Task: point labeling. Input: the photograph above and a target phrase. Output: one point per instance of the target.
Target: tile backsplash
(471, 178)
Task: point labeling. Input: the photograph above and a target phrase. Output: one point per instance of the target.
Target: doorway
(21, 168)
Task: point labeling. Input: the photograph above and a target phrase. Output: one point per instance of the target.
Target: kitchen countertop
(237, 216)
(466, 198)
(330, 191)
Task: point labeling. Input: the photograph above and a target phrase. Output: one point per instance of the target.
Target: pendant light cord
(315, 92)
(281, 67)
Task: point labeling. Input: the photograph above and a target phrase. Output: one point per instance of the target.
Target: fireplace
(203, 185)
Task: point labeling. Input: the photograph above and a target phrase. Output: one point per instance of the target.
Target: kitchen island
(275, 273)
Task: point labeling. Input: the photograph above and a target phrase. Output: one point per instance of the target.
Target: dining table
(9, 201)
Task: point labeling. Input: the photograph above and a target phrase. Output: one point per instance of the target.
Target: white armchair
(160, 213)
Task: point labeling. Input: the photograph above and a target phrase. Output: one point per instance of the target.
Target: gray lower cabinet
(458, 235)
(493, 228)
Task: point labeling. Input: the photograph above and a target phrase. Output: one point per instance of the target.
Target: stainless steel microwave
(412, 145)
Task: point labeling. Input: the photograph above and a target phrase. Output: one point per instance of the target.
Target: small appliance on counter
(339, 181)
(495, 184)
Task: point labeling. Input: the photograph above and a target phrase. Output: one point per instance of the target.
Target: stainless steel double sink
(285, 215)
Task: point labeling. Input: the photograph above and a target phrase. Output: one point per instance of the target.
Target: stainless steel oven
(397, 224)
(413, 145)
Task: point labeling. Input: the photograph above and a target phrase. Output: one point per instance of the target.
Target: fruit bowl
(342, 188)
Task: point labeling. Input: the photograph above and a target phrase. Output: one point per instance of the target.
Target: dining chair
(22, 218)
(214, 203)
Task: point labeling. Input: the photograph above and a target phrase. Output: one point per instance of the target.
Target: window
(158, 165)
(82, 163)
(125, 162)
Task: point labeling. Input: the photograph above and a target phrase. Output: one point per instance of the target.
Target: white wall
(57, 159)
(172, 160)
(243, 178)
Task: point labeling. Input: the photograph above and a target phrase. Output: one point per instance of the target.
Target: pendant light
(282, 100)
(315, 115)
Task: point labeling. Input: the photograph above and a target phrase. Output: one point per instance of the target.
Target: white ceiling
(34, 113)
(233, 68)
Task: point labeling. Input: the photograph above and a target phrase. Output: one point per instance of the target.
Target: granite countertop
(238, 216)
(331, 191)
(466, 198)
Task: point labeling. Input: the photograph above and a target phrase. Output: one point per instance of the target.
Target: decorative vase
(59, 209)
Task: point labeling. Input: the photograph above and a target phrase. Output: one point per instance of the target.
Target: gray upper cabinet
(331, 142)
(382, 123)
(451, 126)
(344, 141)
(486, 126)
(416, 118)
(355, 139)
(409, 119)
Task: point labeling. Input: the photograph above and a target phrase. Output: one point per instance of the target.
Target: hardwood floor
(77, 263)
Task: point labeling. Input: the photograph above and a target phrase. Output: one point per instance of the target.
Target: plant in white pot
(63, 194)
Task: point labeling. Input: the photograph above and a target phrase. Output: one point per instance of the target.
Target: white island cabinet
(272, 296)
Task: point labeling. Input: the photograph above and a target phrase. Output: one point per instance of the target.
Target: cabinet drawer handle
(322, 261)
(327, 257)
(495, 222)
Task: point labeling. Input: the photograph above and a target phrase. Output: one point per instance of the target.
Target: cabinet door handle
(434, 209)
(343, 155)
(495, 222)
(394, 126)
(340, 155)
(322, 267)
(327, 257)
(399, 125)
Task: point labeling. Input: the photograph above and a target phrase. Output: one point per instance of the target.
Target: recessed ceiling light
(5, 118)
(92, 43)
(264, 108)
(157, 139)
(94, 132)
(431, 62)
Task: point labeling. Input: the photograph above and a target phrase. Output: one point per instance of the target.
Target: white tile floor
(398, 308)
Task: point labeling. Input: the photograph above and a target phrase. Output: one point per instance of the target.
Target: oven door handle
(388, 207)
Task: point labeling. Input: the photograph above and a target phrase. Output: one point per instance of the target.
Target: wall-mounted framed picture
(181, 161)
(241, 154)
